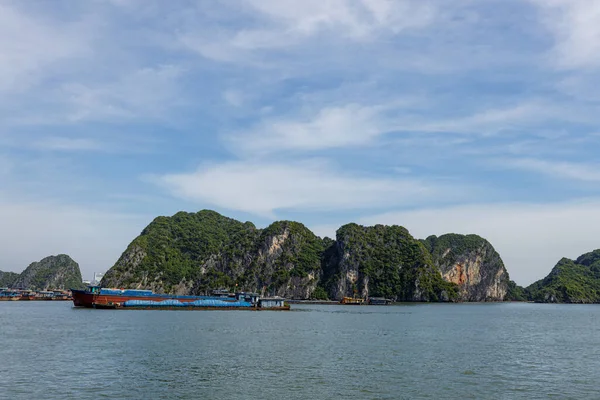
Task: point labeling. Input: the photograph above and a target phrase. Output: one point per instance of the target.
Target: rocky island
(193, 253)
(472, 263)
(59, 272)
(569, 281)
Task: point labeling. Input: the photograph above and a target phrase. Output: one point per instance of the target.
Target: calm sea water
(436, 351)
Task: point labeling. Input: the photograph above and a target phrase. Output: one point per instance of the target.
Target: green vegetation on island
(7, 279)
(516, 292)
(194, 253)
(570, 281)
(54, 272)
(198, 252)
(383, 261)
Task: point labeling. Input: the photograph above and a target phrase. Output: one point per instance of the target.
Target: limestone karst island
(200, 253)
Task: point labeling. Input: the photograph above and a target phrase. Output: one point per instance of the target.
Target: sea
(50, 350)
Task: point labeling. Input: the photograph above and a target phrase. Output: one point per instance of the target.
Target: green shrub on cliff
(320, 294)
(515, 292)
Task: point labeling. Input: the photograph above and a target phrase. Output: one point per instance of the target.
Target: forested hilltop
(53, 272)
(193, 253)
(570, 282)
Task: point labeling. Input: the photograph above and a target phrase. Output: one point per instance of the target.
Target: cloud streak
(68, 144)
(266, 189)
(285, 24)
(560, 169)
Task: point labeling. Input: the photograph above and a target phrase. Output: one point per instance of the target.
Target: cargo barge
(132, 299)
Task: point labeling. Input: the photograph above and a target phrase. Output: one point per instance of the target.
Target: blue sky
(470, 116)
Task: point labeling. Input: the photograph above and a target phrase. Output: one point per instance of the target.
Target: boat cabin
(379, 301)
(251, 298)
(352, 300)
(271, 302)
(93, 289)
(221, 293)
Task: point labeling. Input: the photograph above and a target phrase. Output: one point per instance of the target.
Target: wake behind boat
(106, 298)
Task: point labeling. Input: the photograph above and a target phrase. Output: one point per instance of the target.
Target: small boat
(9, 295)
(379, 301)
(106, 298)
(352, 300)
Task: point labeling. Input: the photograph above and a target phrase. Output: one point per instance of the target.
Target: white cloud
(531, 238)
(494, 119)
(353, 125)
(575, 25)
(146, 92)
(355, 19)
(265, 188)
(286, 23)
(95, 239)
(330, 127)
(559, 169)
(30, 46)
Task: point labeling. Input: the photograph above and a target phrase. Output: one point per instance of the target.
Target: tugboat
(105, 298)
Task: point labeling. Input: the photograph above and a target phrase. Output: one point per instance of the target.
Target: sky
(467, 116)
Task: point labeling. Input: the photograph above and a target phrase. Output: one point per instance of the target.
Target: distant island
(59, 272)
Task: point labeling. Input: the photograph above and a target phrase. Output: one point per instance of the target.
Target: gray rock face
(382, 261)
(472, 263)
(54, 272)
(7, 279)
(284, 261)
(196, 253)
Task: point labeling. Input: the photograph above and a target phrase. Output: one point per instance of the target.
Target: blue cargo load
(177, 303)
(126, 292)
(150, 293)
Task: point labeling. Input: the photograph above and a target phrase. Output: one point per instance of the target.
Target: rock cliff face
(570, 281)
(195, 253)
(7, 279)
(54, 272)
(382, 261)
(472, 263)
